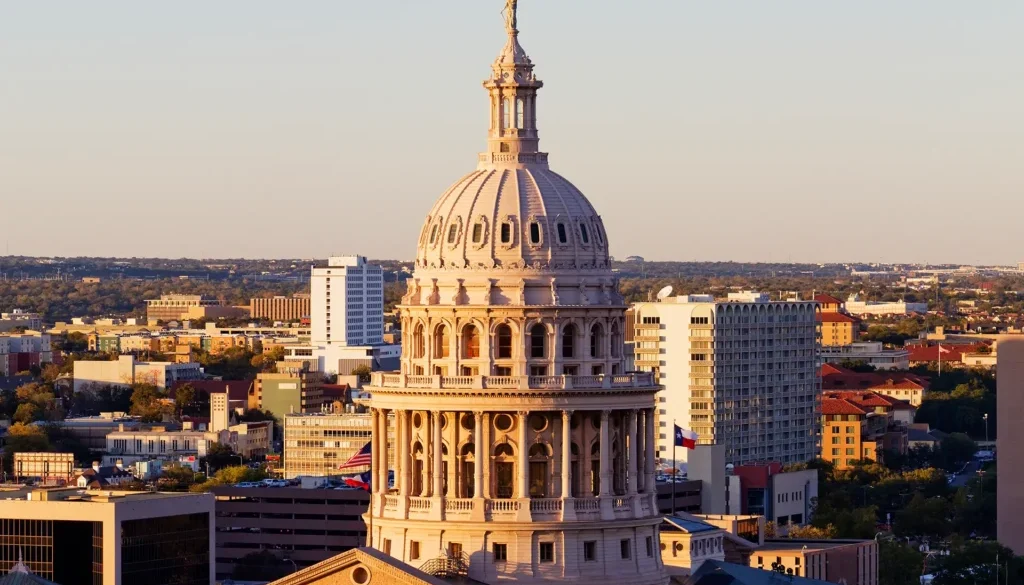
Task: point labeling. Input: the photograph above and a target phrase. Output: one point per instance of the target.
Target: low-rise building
(176, 307)
(904, 386)
(92, 431)
(45, 468)
(102, 477)
(783, 497)
(126, 371)
(872, 353)
(161, 442)
(109, 537)
(283, 309)
(859, 426)
(19, 319)
(854, 562)
(252, 440)
(855, 306)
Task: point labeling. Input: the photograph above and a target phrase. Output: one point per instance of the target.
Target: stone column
(607, 509)
(632, 467)
(382, 462)
(522, 478)
(435, 445)
(568, 511)
(649, 453)
(375, 443)
(479, 455)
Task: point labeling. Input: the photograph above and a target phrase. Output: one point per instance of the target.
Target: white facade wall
(741, 374)
(347, 307)
(857, 307)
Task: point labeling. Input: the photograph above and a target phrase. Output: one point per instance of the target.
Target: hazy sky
(868, 130)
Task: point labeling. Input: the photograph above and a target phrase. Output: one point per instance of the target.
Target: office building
(125, 371)
(347, 311)
(176, 307)
(160, 442)
(871, 353)
(294, 387)
(109, 537)
(304, 526)
(284, 309)
(315, 444)
(741, 372)
(1009, 496)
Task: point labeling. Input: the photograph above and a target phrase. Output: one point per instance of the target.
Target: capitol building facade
(522, 449)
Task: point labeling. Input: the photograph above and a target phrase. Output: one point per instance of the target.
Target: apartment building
(20, 351)
(72, 537)
(836, 327)
(741, 372)
(19, 318)
(285, 309)
(860, 425)
(346, 309)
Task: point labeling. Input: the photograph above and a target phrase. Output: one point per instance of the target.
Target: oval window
(503, 422)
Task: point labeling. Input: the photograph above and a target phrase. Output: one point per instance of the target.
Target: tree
(218, 456)
(924, 519)
(22, 438)
(958, 448)
(974, 562)
(184, 397)
(146, 402)
(27, 413)
(363, 371)
(900, 564)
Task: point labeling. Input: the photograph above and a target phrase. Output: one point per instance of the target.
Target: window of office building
(162, 551)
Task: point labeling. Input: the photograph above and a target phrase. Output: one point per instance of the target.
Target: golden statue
(511, 20)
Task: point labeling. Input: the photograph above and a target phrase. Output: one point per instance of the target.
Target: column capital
(605, 414)
(567, 413)
(523, 413)
(435, 414)
(478, 413)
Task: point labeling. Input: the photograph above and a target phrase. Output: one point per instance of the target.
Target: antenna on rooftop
(665, 292)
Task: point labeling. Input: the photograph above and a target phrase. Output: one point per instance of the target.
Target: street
(968, 472)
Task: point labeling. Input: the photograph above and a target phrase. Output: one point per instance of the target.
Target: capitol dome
(513, 212)
(503, 216)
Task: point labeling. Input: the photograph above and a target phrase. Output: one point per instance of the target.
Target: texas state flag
(361, 481)
(685, 438)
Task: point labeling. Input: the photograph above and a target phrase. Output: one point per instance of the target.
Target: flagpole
(940, 360)
(674, 468)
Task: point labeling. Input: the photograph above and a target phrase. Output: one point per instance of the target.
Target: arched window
(520, 114)
(470, 342)
(506, 114)
(442, 342)
(539, 475)
(418, 342)
(503, 336)
(534, 233)
(538, 337)
(596, 341)
(569, 341)
(504, 471)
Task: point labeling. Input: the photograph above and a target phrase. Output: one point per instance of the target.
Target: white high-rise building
(741, 372)
(347, 315)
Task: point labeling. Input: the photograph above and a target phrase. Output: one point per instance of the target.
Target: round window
(444, 420)
(503, 422)
(360, 576)
(538, 422)
(468, 422)
(595, 420)
(417, 420)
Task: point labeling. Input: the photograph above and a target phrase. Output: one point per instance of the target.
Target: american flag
(361, 459)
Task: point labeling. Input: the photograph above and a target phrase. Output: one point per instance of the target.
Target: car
(247, 484)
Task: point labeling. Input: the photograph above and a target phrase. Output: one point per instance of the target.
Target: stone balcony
(590, 509)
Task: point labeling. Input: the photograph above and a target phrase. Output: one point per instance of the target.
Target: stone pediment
(361, 566)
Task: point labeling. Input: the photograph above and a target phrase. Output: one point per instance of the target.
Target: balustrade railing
(420, 504)
(546, 505)
(503, 505)
(639, 380)
(586, 505)
(458, 505)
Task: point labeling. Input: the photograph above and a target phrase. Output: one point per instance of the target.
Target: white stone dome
(513, 216)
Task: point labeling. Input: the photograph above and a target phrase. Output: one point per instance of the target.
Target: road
(969, 472)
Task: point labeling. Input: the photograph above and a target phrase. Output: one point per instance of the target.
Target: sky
(790, 130)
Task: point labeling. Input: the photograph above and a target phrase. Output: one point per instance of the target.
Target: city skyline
(889, 114)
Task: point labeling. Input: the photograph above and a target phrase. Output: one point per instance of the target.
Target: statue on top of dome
(511, 19)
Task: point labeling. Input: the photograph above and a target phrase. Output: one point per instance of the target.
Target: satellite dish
(663, 293)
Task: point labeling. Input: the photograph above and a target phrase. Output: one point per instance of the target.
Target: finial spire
(511, 18)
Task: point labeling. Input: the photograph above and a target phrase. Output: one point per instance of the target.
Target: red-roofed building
(850, 432)
(835, 326)
(952, 354)
(904, 386)
(828, 303)
(899, 412)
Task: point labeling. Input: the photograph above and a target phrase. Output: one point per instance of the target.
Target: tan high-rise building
(316, 444)
(1009, 438)
(287, 309)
